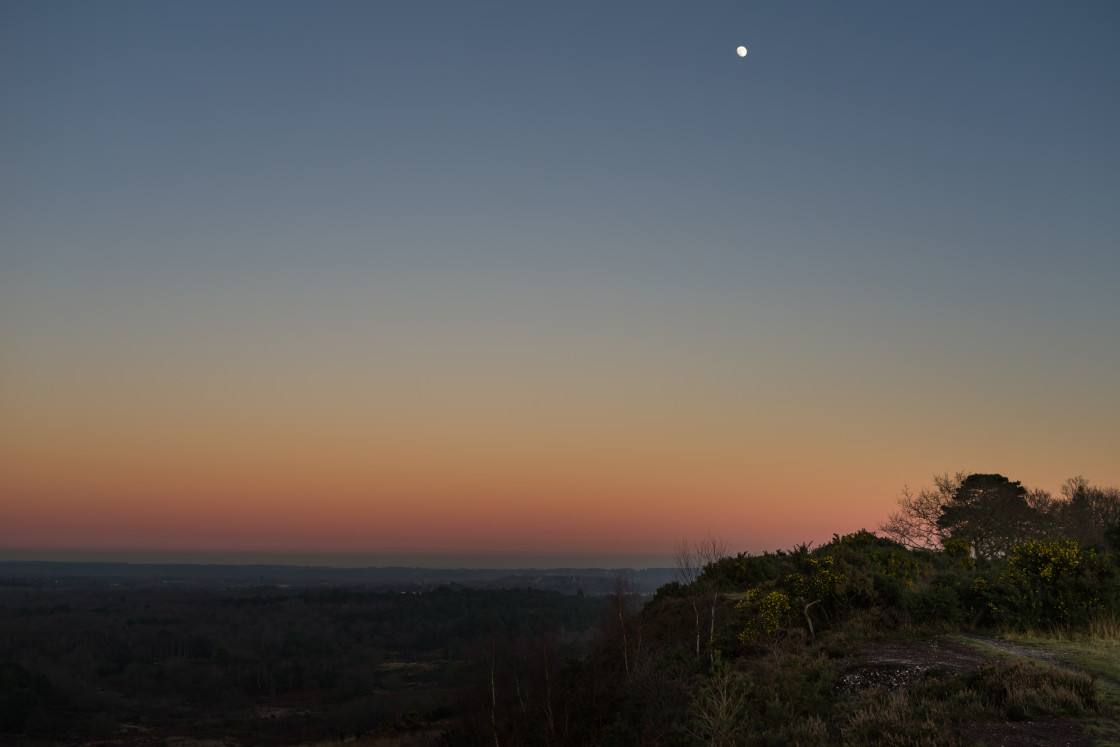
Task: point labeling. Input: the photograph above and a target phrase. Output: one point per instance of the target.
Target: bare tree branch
(915, 525)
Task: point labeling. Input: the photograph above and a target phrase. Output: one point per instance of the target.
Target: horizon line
(434, 560)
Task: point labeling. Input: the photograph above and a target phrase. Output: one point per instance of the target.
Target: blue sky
(885, 236)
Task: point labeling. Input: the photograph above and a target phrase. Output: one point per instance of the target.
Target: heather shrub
(923, 714)
(1020, 690)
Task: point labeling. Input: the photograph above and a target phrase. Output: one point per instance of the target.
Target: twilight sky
(565, 279)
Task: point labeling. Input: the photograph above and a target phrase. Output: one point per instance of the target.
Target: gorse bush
(877, 555)
(959, 550)
(1047, 562)
(746, 570)
(1053, 584)
(1039, 583)
(766, 615)
(818, 581)
(867, 571)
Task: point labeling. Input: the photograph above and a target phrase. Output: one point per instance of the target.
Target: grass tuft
(1105, 628)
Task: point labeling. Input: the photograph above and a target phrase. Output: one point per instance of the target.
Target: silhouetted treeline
(991, 513)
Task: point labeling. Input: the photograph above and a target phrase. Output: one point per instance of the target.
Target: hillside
(855, 642)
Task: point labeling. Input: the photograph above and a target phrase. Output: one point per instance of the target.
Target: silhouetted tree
(689, 566)
(1087, 511)
(915, 524)
(624, 621)
(701, 573)
(992, 513)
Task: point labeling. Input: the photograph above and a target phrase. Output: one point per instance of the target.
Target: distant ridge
(566, 580)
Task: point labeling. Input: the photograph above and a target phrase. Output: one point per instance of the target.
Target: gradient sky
(567, 278)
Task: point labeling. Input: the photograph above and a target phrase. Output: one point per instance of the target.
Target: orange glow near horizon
(547, 495)
(602, 468)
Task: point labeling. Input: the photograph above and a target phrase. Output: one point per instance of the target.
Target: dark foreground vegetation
(791, 657)
(858, 641)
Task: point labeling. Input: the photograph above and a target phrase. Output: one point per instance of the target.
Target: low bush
(933, 604)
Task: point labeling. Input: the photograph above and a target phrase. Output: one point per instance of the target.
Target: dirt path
(1012, 648)
(1037, 654)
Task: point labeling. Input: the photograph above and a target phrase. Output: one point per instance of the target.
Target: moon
(741, 51)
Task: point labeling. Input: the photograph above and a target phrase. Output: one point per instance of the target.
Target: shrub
(1112, 538)
(746, 570)
(978, 599)
(878, 555)
(818, 581)
(1051, 583)
(718, 708)
(933, 604)
(889, 590)
(959, 550)
(767, 614)
(871, 570)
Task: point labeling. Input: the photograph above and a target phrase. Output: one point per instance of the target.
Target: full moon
(742, 51)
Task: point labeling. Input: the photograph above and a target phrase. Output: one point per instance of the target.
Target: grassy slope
(1096, 653)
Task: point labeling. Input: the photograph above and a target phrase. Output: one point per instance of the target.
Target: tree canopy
(992, 513)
